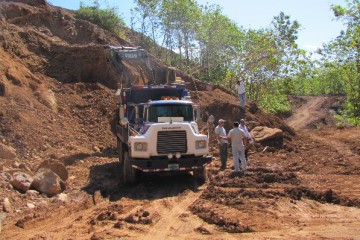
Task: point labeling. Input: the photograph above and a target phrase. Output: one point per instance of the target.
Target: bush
(105, 18)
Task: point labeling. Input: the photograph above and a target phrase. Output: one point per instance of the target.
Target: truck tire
(130, 175)
(120, 150)
(201, 175)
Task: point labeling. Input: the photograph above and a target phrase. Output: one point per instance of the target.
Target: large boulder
(56, 167)
(48, 182)
(7, 152)
(21, 181)
(261, 133)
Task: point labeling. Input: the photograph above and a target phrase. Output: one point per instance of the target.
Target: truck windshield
(183, 111)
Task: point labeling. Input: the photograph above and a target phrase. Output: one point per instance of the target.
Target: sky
(318, 24)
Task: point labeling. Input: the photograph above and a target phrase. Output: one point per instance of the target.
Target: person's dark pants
(223, 154)
(246, 154)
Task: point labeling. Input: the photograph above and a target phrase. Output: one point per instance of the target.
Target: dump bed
(144, 94)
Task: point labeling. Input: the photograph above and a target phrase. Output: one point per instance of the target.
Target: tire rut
(170, 217)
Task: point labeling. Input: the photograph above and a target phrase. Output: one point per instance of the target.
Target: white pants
(239, 154)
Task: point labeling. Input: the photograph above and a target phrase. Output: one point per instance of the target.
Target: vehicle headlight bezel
(140, 146)
(200, 144)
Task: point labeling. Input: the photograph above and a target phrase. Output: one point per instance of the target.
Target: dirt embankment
(56, 91)
(57, 83)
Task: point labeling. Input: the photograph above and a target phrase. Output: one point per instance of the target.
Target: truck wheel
(120, 150)
(201, 175)
(130, 175)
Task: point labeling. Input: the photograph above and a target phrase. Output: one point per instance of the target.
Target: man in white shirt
(222, 142)
(240, 89)
(249, 140)
(236, 136)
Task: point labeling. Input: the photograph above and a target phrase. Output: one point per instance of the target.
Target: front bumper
(168, 165)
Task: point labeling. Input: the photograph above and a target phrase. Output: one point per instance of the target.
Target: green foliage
(213, 48)
(338, 72)
(104, 18)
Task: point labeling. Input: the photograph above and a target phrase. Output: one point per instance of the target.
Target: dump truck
(156, 126)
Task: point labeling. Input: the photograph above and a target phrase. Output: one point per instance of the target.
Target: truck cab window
(185, 111)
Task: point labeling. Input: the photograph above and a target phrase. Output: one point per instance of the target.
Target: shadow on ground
(106, 178)
(72, 159)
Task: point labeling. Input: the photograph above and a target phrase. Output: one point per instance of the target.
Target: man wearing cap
(222, 142)
(236, 136)
(248, 140)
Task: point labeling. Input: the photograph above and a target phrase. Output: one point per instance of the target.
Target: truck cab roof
(170, 102)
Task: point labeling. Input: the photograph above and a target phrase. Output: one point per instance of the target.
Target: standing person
(222, 142)
(249, 140)
(240, 88)
(236, 136)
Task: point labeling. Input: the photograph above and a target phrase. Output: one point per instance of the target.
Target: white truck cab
(157, 132)
(169, 130)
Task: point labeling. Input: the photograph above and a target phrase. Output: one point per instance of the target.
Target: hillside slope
(57, 84)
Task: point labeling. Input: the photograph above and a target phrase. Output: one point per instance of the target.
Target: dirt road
(307, 113)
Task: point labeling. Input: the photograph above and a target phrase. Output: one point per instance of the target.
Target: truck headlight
(200, 144)
(139, 146)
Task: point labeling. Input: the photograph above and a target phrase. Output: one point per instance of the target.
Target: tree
(343, 54)
(219, 42)
(104, 18)
(180, 22)
(146, 13)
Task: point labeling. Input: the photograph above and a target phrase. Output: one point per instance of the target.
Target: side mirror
(124, 121)
(211, 119)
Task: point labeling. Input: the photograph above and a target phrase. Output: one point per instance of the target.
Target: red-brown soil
(56, 102)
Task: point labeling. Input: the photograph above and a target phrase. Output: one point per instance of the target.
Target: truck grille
(171, 142)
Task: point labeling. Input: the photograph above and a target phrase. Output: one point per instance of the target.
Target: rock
(30, 205)
(96, 149)
(32, 193)
(56, 167)
(62, 197)
(21, 181)
(262, 133)
(7, 206)
(15, 165)
(7, 152)
(48, 182)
